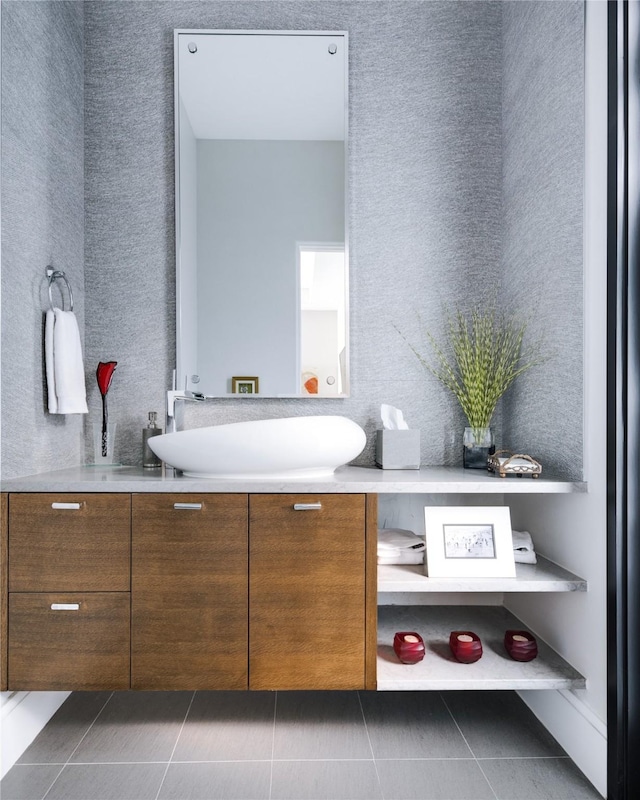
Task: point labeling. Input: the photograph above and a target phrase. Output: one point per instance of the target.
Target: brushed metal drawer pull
(69, 506)
(307, 506)
(65, 606)
(187, 506)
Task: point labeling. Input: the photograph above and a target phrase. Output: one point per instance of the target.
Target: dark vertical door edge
(623, 404)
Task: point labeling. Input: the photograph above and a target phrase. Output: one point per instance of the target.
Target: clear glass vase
(478, 446)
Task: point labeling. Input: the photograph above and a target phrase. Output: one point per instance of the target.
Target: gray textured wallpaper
(465, 170)
(543, 158)
(424, 189)
(42, 220)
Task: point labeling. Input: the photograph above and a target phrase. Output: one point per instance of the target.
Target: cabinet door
(69, 542)
(70, 641)
(307, 592)
(189, 592)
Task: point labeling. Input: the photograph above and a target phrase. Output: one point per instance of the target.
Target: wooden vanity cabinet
(68, 601)
(185, 591)
(308, 617)
(189, 591)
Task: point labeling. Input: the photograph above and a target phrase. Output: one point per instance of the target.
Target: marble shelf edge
(349, 479)
(545, 576)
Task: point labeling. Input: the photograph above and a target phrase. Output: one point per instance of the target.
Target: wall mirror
(261, 234)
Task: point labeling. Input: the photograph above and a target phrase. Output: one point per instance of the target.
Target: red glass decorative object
(409, 647)
(465, 646)
(521, 645)
(104, 375)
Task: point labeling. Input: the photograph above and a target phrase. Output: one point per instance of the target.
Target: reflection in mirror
(262, 257)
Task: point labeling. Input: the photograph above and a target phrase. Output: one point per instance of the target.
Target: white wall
(22, 717)
(571, 530)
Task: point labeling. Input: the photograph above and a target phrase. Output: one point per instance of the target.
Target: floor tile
(411, 725)
(28, 782)
(537, 779)
(499, 725)
(228, 726)
(58, 739)
(320, 725)
(108, 782)
(240, 780)
(325, 780)
(135, 726)
(450, 779)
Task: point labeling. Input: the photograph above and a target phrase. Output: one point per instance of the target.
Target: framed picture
(468, 542)
(244, 385)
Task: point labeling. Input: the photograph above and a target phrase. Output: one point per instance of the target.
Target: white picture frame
(468, 542)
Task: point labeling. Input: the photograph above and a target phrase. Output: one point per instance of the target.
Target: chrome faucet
(172, 396)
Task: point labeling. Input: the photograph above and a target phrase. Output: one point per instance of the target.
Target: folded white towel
(523, 550)
(399, 546)
(63, 364)
(407, 557)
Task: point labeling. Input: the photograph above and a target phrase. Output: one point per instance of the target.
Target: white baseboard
(577, 729)
(22, 716)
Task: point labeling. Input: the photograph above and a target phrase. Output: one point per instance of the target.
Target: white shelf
(545, 576)
(440, 671)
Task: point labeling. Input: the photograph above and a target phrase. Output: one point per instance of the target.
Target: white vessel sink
(294, 447)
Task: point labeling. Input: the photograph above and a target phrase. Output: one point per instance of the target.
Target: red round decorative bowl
(409, 647)
(465, 646)
(521, 645)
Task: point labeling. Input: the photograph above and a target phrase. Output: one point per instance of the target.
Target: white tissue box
(398, 449)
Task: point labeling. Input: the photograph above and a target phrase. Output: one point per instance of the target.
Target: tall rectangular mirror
(261, 230)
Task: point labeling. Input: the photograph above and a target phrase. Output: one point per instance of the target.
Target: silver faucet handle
(174, 394)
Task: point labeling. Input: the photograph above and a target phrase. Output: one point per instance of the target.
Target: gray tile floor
(295, 746)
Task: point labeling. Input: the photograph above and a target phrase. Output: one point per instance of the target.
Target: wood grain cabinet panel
(307, 592)
(70, 641)
(4, 579)
(69, 542)
(189, 591)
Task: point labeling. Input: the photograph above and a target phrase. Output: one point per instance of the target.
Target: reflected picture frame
(245, 385)
(468, 542)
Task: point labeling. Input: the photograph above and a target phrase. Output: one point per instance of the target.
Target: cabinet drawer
(77, 641)
(69, 542)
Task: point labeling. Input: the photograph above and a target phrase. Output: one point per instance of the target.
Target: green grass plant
(480, 359)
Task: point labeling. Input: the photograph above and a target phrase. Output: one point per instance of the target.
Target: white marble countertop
(346, 480)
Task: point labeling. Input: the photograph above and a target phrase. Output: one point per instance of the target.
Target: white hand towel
(405, 557)
(63, 362)
(52, 400)
(523, 550)
(399, 546)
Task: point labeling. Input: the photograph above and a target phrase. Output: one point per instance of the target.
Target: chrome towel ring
(55, 274)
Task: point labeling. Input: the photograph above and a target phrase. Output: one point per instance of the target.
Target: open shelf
(545, 576)
(440, 671)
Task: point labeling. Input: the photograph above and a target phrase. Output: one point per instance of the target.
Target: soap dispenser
(149, 458)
